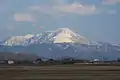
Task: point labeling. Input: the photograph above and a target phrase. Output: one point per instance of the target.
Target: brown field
(60, 72)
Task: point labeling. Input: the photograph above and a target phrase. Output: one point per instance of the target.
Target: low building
(96, 61)
(10, 62)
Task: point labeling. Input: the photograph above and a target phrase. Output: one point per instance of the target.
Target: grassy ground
(60, 72)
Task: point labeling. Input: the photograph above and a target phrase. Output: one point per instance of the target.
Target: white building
(10, 62)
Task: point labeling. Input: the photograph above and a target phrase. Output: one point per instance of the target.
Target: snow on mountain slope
(66, 35)
(62, 35)
(17, 40)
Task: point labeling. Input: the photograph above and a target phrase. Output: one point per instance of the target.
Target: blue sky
(97, 20)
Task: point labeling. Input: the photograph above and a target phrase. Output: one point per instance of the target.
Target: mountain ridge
(58, 36)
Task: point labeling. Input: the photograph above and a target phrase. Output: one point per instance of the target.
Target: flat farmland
(60, 72)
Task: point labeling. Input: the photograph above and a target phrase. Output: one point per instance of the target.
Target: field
(60, 72)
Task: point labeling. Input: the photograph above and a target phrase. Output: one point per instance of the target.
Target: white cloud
(110, 2)
(23, 17)
(75, 8)
(62, 7)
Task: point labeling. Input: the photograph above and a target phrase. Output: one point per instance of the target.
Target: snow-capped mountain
(62, 35)
(59, 43)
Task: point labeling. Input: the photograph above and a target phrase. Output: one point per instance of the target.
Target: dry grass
(60, 72)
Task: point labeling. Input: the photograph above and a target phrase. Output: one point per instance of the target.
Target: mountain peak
(65, 30)
(68, 36)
